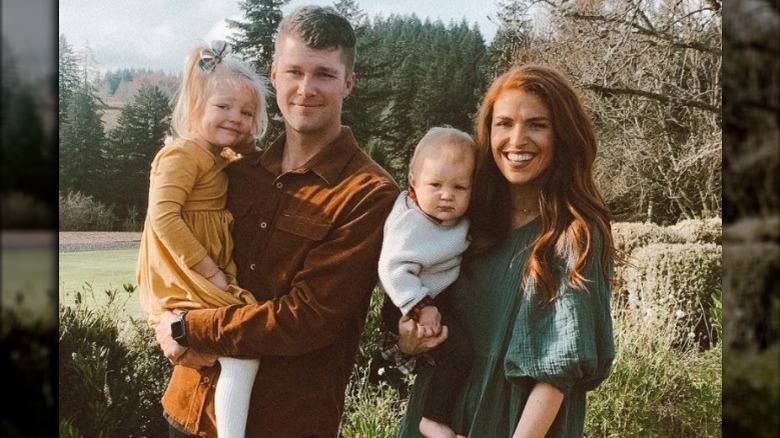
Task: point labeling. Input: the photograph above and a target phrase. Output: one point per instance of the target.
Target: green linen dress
(518, 341)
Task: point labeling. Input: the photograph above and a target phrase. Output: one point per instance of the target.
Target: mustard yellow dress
(186, 220)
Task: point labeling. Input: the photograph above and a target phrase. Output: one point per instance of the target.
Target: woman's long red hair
(569, 203)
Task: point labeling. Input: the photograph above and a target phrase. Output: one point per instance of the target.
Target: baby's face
(443, 185)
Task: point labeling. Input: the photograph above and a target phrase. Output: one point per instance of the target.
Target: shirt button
(206, 380)
(252, 267)
(202, 434)
(279, 185)
(263, 225)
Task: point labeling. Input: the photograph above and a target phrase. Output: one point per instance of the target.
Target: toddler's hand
(219, 279)
(430, 321)
(246, 144)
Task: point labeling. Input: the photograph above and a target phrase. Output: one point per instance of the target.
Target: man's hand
(177, 354)
(412, 339)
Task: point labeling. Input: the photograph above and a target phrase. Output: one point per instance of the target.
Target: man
(309, 213)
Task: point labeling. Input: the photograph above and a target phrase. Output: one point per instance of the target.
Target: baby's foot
(432, 429)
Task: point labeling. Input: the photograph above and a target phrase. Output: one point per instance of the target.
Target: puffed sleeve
(567, 343)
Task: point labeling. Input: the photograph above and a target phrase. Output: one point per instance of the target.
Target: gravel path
(73, 241)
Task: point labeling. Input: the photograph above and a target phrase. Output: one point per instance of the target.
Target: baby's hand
(430, 321)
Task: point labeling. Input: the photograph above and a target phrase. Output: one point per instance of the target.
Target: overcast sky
(158, 34)
(29, 29)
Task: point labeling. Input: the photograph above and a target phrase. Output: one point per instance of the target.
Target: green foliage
(110, 382)
(68, 77)
(79, 212)
(82, 167)
(412, 76)
(254, 36)
(750, 392)
(23, 211)
(657, 391)
(749, 285)
(709, 230)
(670, 291)
(27, 162)
(26, 353)
(629, 236)
(142, 126)
(372, 410)
(513, 33)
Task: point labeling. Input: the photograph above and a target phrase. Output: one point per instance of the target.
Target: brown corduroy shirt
(307, 244)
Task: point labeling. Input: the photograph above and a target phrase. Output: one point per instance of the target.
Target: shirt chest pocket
(310, 228)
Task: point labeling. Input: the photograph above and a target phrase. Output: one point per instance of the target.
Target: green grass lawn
(104, 270)
(28, 282)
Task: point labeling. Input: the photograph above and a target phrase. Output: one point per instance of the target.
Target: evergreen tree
(514, 33)
(25, 154)
(68, 75)
(255, 36)
(141, 129)
(350, 10)
(255, 43)
(429, 75)
(10, 78)
(362, 108)
(81, 144)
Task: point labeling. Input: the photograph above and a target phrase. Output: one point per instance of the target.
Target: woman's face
(521, 137)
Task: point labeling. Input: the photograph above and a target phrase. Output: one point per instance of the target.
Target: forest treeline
(649, 73)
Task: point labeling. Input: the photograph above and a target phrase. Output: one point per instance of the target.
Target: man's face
(310, 86)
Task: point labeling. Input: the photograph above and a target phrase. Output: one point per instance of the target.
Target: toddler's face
(227, 117)
(443, 185)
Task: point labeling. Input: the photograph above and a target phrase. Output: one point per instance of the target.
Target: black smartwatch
(179, 329)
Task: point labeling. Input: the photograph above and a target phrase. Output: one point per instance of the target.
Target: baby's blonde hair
(443, 138)
(198, 84)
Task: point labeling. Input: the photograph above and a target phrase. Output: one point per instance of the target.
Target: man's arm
(333, 285)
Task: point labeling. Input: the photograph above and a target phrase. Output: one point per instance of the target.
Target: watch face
(176, 329)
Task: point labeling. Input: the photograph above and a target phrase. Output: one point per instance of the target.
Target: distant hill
(114, 94)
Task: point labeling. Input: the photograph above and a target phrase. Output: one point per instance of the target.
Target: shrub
(753, 229)
(749, 282)
(79, 212)
(22, 211)
(699, 230)
(656, 391)
(110, 382)
(629, 236)
(26, 358)
(670, 291)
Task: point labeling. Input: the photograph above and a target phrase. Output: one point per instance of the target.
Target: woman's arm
(540, 411)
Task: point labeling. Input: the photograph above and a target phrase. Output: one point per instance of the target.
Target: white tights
(231, 399)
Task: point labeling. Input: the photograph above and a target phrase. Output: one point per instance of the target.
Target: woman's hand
(412, 339)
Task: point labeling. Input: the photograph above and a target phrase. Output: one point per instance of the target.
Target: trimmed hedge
(749, 282)
(671, 287)
(699, 230)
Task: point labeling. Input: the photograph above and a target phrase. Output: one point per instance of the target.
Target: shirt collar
(327, 164)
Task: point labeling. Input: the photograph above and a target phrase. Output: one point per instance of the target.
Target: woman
(535, 290)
